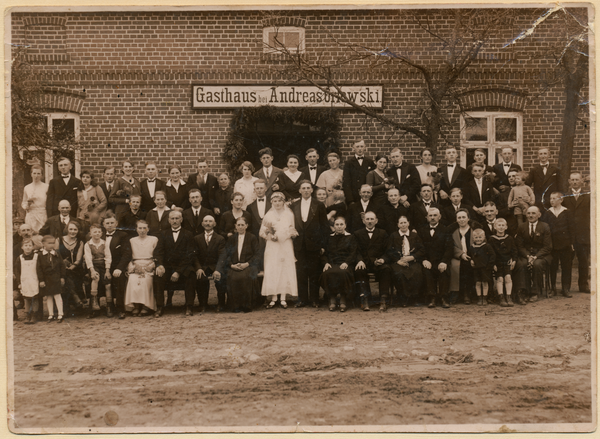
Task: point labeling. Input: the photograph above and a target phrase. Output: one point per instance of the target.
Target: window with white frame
(288, 38)
(63, 126)
(490, 131)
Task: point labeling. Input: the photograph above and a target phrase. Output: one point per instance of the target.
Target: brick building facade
(126, 79)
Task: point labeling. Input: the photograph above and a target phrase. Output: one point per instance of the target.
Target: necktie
(531, 230)
(64, 220)
(208, 236)
(576, 196)
(268, 173)
(109, 187)
(491, 225)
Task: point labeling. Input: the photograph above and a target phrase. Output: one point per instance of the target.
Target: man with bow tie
(149, 186)
(313, 170)
(174, 254)
(453, 175)
(193, 217)
(479, 191)
(356, 211)
(63, 187)
(268, 172)
(501, 169)
(405, 177)
(534, 242)
(544, 179)
(418, 211)
(438, 247)
(355, 173)
(117, 241)
(372, 244)
(107, 185)
(206, 182)
(210, 246)
(57, 225)
(259, 207)
(490, 212)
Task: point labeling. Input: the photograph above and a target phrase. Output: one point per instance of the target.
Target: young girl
(51, 274)
(521, 197)
(483, 259)
(26, 274)
(506, 257)
(98, 260)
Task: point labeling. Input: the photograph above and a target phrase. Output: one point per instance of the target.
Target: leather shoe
(283, 304)
(121, 315)
(467, 301)
(314, 304)
(533, 298)
(431, 304)
(188, 312)
(270, 305)
(382, 307)
(342, 308)
(300, 304)
(566, 293)
(158, 312)
(445, 304)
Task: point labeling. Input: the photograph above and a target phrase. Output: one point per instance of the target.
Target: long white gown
(34, 203)
(279, 259)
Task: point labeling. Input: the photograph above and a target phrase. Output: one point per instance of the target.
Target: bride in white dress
(34, 200)
(279, 260)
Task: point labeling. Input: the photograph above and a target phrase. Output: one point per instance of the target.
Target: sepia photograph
(283, 219)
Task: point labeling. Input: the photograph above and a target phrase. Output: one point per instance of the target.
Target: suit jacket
(561, 228)
(353, 215)
(417, 214)
(371, 249)
(58, 190)
(249, 254)
(207, 189)
(541, 243)
(460, 177)
(109, 205)
(207, 256)
(438, 248)
(394, 249)
(449, 212)
(190, 223)
(273, 178)
(312, 235)
(291, 189)
(501, 177)
(176, 256)
(56, 228)
(120, 250)
(355, 176)
(306, 171)
(544, 185)
(580, 210)
(147, 201)
(252, 208)
(388, 216)
(50, 272)
(156, 226)
(471, 194)
(411, 180)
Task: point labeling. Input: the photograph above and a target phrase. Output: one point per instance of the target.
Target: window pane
(476, 129)
(292, 39)
(506, 129)
(63, 129)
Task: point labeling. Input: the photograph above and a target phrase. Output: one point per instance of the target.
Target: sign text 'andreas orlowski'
(232, 96)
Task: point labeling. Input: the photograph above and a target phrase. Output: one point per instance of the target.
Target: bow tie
(313, 168)
(176, 231)
(450, 166)
(151, 181)
(65, 176)
(360, 158)
(427, 202)
(370, 231)
(110, 234)
(506, 165)
(404, 235)
(208, 235)
(262, 200)
(433, 227)
(546, 165)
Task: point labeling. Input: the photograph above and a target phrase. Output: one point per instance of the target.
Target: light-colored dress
(92, 204)
(425, 173)
(141, 272)
(30, 285)
(329, 179)
(246, 188)
(279, 259)
(34, 203)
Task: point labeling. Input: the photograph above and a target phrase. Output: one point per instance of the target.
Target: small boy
(506, 253)
(98, 259)
(223, 195)
(521, 197)
(483, 259)
(25, 272)
(51, 272)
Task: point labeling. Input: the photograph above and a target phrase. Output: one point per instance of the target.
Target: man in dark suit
(313, 170)
(490, 213)
(149, 186)
(193, 217)
(355, 173)
(578, 202)
(356, 211)
(128, 220)
(311, 223)
(479, 191)
(259, 207)
(453, 176)
(390, 212)
(544, 179)
(405, 177)
(534, 242)
(56, 225)
(372, 244)
(118, 243)
(268, 172)
(63, 187)
(418, 211)
(456, 203)
(438, 256)
(501, 169)
(210, 246)
(107, 185)
(175, 254)
(207, 183)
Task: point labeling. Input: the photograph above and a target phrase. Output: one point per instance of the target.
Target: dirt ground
(308, 369)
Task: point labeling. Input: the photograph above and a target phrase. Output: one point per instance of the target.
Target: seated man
(372, 244)
(534, 242)
(210, 246)
(390, 212)
(418, 210)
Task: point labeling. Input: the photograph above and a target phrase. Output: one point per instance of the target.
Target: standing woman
(177, 190)
(379, 181)
(290, 179)
(228, 219)
(239, 265)
(245, 185)
(123, 188)
(158, 218)
(426, 170)
(34, 200)
(91, 200)
(332, 177)
(461, 272)
(279, 261)
(70, 248)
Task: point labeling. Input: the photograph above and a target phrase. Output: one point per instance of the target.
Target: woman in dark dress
(177, 190)
(123, 188)
(228, 219)
(291, 178)
(379, 181)
(70, 249)
(158, 218)
(239, 265)
(339, 259)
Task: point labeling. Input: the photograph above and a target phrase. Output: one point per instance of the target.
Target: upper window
(490, 131)
(283, 38)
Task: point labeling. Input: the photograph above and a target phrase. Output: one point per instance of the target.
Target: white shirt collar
(561, 210)
(165, 208)
(181, 182)
(576, 191)
(534, 225)
(345, 234)
(45, 252)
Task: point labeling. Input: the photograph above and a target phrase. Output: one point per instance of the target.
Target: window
(490, 131)
(290, 38)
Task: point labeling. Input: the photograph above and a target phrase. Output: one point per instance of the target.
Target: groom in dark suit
(175, 253)
(63, 187)
(311, 223)
(544, 179)
(356, 169)
(313, 170)
(210, 246)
